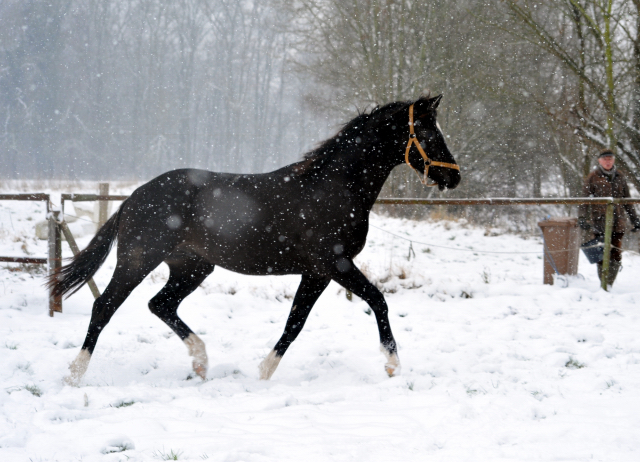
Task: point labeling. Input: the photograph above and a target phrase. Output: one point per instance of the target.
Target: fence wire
(413, 241)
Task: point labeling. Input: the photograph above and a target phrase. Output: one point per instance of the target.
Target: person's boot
(614, 268)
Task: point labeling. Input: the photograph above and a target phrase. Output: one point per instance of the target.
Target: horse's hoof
(71, 381)
(198, 352)
(392, 370)
(393, 363)
(77, 368)
(200, 370)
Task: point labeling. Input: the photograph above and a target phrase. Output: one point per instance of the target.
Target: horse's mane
(317, 157)
(351, 129)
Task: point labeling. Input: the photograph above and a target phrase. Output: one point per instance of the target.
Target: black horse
(309, 218)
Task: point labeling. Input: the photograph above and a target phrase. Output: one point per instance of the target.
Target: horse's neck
(364, 176)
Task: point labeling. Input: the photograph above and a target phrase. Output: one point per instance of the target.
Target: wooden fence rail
(26, 197)
(31, 260)
(510, 201)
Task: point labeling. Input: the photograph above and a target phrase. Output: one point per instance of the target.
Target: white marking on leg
(198, 352)
(393, 363)
(77, 368)
(269, 365)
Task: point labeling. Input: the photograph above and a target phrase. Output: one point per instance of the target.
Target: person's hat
(605, 153)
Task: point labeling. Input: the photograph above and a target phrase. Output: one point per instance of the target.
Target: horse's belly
(253, 256)
(257, 265)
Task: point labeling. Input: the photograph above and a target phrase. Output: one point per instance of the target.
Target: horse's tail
(70, 278)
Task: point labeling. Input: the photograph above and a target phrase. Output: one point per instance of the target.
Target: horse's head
(426, 151)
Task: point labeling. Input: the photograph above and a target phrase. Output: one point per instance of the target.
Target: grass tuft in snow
(171, 455)
(486, 275)
(25, 367)
(123, 404)
(117, 448)
(538, 395)
(389, 280)
(34, 390)
(11, 346)
(573, 364)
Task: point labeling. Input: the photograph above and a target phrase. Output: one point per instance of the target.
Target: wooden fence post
(103, 206)
(54, 259)
(606, 258)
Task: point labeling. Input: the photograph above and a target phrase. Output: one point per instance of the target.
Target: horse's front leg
(307, 294)
(349, 276)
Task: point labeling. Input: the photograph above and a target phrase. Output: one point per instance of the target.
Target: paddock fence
(610, 203)
(55, 303)
(57, 226)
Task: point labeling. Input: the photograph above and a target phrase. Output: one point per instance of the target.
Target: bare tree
(598, 44)
(135, 87)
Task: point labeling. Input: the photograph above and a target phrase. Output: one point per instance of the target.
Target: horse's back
(231, 220)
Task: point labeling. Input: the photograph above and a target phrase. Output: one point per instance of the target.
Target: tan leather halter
(413, 139)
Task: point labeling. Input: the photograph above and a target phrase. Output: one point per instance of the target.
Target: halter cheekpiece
(413, 139)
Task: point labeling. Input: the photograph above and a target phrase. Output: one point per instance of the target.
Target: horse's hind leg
(125, 278)
(310, 288)
(187, 272)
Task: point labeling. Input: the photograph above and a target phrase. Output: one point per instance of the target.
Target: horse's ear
(424, 106)
(435, 102)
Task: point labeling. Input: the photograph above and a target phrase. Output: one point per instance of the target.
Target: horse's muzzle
(451, 181)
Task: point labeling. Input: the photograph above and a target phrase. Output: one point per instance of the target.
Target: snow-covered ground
(495, 365)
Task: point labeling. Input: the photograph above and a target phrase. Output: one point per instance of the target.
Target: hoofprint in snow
(495, 365)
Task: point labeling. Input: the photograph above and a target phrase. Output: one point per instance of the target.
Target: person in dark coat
(606, 181)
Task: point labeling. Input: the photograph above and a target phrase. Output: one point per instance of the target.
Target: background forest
(127, 89)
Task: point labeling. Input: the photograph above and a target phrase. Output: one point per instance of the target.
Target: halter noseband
(413, 139)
